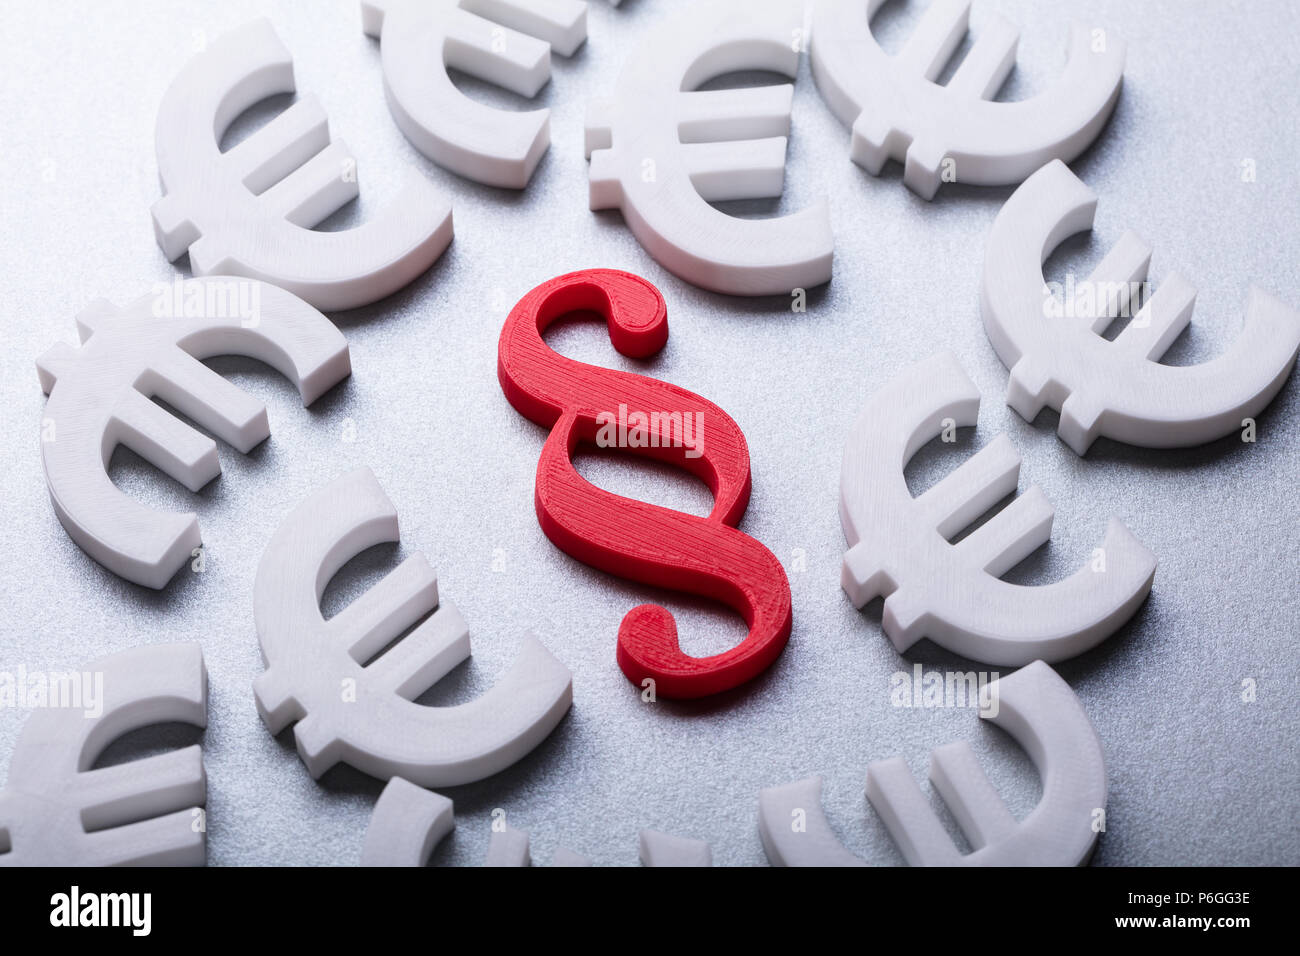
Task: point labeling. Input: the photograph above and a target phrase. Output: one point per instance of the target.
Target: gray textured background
(1196, 776)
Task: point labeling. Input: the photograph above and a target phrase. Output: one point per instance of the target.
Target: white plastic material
(153, 348)
(408, 822)
(899, 545)
(251, 210)
(1044, 716)
(508, 847)
(566, 857)
(351, 708)
(954, 132)
(794, 828)
(56, 810)
(505, 42)
(1117, 388)
(661, 151)
(664, 849)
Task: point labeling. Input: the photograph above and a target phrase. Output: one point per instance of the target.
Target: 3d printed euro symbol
(1117, 388)
(1043, 715)
(250, 211)
(899, 545)
(408, 822)
(632, 539)
(661, 150)
(899, 112)
(506, 42)
(351, 708)
(668, 849)
(56, 810)
(100, 398)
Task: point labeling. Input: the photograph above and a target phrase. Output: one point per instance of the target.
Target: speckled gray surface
(1196, 775)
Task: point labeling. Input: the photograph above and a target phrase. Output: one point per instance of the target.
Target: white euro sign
(154, 348)
(380, 730)
(57, 809)
(250, 211)
(504, 42)
(661, 150)
(667, 849)
(1044, 716)
(408, 822)
(899, 112)
(1117, 388)
(952, 593)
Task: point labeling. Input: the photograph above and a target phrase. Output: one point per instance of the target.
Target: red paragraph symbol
(603, 407)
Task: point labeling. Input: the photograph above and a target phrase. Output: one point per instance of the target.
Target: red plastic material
(708, 557)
